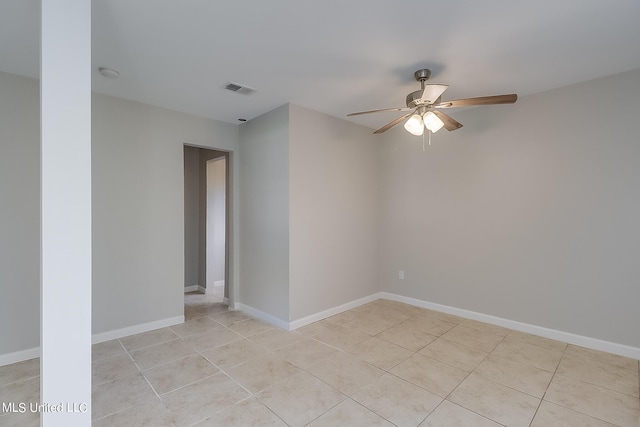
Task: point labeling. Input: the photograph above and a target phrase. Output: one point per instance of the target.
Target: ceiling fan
(424, 107)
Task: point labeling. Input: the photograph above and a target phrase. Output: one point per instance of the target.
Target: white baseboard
(136, 329)
(20, 356)
(254, 312)
(195, 288)
(568, 337)
(218, 283)
(295, 324)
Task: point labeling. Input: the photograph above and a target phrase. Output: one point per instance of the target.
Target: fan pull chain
(423, 146)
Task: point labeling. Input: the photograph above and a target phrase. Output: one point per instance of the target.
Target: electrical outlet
(401, 274)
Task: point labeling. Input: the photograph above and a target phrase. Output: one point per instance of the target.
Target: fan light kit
(424, 108)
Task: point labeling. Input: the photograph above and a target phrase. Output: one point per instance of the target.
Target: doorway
(206, 224)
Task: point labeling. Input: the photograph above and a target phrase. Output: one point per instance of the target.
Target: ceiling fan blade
(483, 100)
(393, 123)
(431, 93)
(378, 111)
(449, 122)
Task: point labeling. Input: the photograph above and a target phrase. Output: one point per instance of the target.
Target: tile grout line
(555, 371)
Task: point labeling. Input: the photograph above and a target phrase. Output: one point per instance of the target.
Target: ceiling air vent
(238, 88)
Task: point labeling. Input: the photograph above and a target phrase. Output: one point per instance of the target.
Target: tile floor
(381, 364)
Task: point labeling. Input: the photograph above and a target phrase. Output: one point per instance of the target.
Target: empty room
(294, 213)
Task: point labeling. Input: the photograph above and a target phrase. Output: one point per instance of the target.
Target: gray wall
(264, 213)
(529, 212)
(333, 195)
(309, 194)
(19, 213)
(138, 210)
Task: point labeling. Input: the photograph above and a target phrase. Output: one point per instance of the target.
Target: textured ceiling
(335, 56)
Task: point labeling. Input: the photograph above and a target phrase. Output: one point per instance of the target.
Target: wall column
(65, 292)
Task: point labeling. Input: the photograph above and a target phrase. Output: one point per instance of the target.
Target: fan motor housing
(414, 99)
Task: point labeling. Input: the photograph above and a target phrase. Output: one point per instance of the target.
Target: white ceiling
(336, 56)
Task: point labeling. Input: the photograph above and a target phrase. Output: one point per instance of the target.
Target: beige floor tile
(342, 318)
(616, 408)
(118, 395)
(397, 400)
(176, 374)
(212, 338)
(300, 398)
(262, 372)
(195, 326)
(552, 415)
(395, 311)
(226, 318)
(210, 308)
(250, 327)
(351, 414)
(18, 419)
(233, 354)
(496, 402)
(407, 336)
(372, 324)
(525, 378)
(430, 374)
(199, 299)
(454, 354)
(601, 356)
(380, 353)
(276, 338)
(473, 338)
(150, 357)
(306, 353)
(430, 325)
(191, 313)
(106, 349)
(448, 414)
(529, 354)
(601, 374)
(25, 391)
(200, 400)
(113, 368)
(407, 309)
(146, 339)
(485, 327)
(19, 371)
(248, 413)
(536, 340)
(341, 337)
(314, 328)
(345, 372)
(450, 318)
(149, 414)
(365, 309)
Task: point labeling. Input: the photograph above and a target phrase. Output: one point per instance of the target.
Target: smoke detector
(109, 73)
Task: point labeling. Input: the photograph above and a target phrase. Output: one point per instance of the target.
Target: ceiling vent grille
(238, 88)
